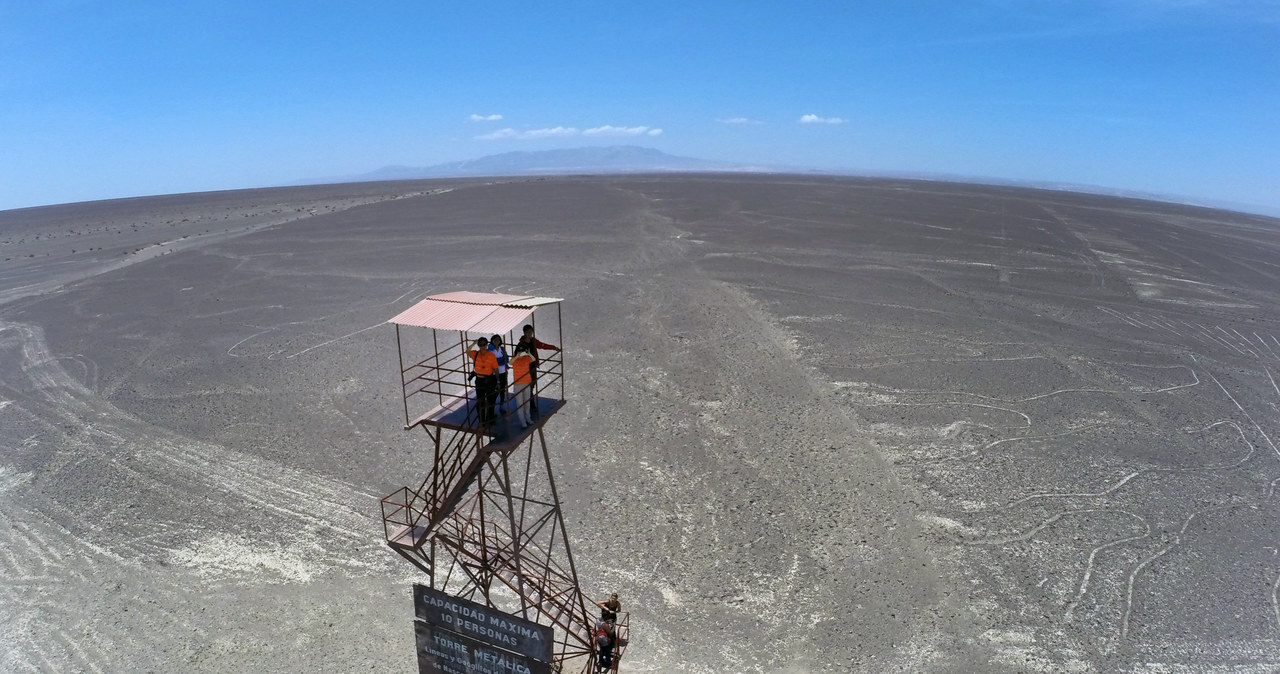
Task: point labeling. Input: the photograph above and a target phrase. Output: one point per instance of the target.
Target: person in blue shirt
(495, 345)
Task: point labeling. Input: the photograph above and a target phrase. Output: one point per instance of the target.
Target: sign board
(441, 651)
(483, 624)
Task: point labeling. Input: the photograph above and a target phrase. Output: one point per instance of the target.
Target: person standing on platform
(532, 344)
(522, 383)
(609, 608)
(485, 365)
(605, 638)
(495, 345)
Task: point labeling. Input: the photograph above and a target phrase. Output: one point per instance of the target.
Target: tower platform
(460, 414)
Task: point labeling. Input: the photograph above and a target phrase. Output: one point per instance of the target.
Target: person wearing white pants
(522, 382)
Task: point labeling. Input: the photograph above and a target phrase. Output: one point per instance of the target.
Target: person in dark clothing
(606, 636)
(485, 365)
(609, 608)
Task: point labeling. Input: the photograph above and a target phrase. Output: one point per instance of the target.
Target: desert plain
(815, 424)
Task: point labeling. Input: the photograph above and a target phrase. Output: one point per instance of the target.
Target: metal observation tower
(485, 523)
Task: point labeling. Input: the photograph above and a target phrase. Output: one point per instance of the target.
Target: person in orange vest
(522, 383)
(532, 343)
(485, 364)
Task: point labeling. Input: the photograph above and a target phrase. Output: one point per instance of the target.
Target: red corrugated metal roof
(469, 297)
(421, 313)
(466, 311)
(459, 316)
(535, 301)
(502, 320)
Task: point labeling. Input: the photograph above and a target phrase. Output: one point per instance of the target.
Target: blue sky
(102, 100)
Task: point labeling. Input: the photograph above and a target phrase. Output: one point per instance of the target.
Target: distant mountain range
(633, 159)
(613, 159)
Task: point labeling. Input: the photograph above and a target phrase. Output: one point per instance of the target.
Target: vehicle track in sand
(84, 574)
(815, 424)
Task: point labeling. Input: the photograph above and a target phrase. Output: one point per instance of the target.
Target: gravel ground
(815, 424)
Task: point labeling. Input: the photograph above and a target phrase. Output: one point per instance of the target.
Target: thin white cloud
(608, 130)
(566, 131)
(555, 132)
(737, 120)
(530, 134)
(484, 118)
(814, 119)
